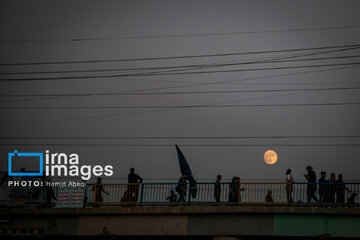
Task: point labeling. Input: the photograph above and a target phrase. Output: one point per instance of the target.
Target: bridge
(186, 222)
(145, 211)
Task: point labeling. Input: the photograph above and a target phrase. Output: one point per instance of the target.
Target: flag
(185, 169)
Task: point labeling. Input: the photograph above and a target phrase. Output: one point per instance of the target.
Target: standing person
(217, 188)
(34, 192)
(49, 195)
(134, 181)
(182, 188)
(311, 185)
(47, 192)
(234, 190)
(340, 189)
(323, 187)
(331, 188)
(98, 190)
(289, 185)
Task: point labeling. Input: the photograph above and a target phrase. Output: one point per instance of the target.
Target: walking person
(181, 188)
(98, 190)
(311, 185)
(331, 188)
(50, 194)
(217, 188)
(340, 189)
(323, 188)
(289, 185)
(134, 181)
(234, 190)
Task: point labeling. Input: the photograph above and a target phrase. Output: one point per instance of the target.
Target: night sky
(157, 93)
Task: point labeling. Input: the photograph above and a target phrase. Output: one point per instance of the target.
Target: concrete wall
(190, 221)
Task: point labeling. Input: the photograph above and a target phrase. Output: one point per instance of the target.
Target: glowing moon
(270, 157)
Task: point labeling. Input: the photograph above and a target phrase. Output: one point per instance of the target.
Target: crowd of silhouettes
(41, 194)
(325, 190)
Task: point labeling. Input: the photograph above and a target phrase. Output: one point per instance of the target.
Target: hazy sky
(123, 30)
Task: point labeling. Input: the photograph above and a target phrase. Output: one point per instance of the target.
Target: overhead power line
(182, 106)
(190, 67)
(355, 46)
(177, 137)
(125, 114)
(183, 145)
(243, 79)
(209, 83)
(181, 86)
(175, 93)
(179, 73)
(82, 39)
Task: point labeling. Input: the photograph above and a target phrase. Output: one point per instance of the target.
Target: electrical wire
(178, 137)
(354, 46)
(180, 106)
(176, 93)
(82, 39)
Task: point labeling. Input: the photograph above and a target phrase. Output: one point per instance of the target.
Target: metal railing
(264, 193)
(244, 193)
(326, 193)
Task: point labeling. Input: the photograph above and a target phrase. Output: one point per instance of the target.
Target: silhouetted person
(133, 188)
(311, 185)
(98, 190)
(49, 192)
(217, 188)
(234, 190)
(289, 185)
(331, 186)
(182, 188)
(351, 199)
(172, 198)
(268, 197)
(323, 188)
(340, 189)
(34, 192)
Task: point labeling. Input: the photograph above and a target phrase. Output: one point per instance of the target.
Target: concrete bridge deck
(214, 222)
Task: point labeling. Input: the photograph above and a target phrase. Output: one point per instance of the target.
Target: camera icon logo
(11, 155)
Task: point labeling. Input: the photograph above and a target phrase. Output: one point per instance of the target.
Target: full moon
(270, 157)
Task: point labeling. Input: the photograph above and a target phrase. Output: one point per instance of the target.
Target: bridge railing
(261, 193)
(326, 193)
(243, 193)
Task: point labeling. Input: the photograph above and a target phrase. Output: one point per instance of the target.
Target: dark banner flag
(185, 169)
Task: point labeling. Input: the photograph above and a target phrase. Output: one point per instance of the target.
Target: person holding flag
(181, 188)
(186, 176)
